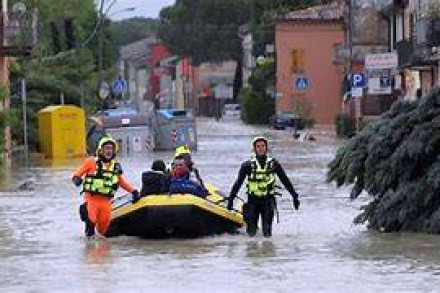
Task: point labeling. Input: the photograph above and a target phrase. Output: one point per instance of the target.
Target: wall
(318, 40)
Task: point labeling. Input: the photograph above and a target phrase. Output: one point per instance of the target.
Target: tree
(63, 61)
(263, 15)
(130, 30)
(396, 160)
(204, 30)
(257, 104)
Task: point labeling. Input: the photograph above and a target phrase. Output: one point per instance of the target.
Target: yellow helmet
(257, 139)
(106, 140)
(181, 150)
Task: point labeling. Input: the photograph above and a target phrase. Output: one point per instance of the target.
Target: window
(297, 59)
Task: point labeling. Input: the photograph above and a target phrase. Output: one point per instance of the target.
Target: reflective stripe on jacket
(103, 181)
(261, 181)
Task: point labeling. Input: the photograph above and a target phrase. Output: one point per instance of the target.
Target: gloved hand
(77, 180)
(136, 196)
(296, 203)
(230, 203)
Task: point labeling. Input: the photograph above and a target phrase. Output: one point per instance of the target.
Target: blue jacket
(183, 185)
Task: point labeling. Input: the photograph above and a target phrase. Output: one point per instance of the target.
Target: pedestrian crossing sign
(302, 83)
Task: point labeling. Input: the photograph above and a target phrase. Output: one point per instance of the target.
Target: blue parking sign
(358, 80)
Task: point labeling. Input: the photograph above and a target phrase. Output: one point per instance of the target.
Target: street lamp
(127, 9)
(101, 17)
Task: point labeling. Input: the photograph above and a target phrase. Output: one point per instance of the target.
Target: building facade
(309, 78)
(414, 27)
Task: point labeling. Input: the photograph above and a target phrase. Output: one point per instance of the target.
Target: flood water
(315, 249)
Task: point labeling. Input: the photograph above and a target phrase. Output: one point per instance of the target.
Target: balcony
(18, 33)
(427, 32)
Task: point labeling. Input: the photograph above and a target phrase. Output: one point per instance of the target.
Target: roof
(392, 7)
(333, 11)
(138, 51)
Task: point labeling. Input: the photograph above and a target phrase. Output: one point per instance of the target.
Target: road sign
(381, 61)
(302, 83)
(119, 86)
(104, 90)
(385, 81)
(379, 86)
(356, 91)
(358, 80)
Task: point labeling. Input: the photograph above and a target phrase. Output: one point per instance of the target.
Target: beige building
(415, 36)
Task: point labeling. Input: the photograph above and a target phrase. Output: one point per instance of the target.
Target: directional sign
(302, 83)
(356, 92)
(119, 86)
(104, 90)
(379, 86)
(381, 61)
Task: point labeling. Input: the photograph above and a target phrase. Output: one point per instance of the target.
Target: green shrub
(256, 106)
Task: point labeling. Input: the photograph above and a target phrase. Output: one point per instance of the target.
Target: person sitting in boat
(157, 180)
(180, 179)
(185, 152)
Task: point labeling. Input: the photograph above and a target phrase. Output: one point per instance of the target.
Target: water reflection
(260, 249)
(410, 248)
(96, 250)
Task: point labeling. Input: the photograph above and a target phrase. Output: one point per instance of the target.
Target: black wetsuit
(264, 206)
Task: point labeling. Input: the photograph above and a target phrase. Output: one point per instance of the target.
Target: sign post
(104, 90)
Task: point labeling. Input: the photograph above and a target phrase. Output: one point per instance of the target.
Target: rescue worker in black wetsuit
(260, 171)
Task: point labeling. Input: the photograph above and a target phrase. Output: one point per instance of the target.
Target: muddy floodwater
(315, 249)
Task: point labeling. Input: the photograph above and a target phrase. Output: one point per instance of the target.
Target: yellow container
(62, 131)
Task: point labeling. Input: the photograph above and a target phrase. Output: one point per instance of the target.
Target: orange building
(309, 78)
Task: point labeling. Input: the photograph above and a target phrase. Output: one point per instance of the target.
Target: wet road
(316, 249)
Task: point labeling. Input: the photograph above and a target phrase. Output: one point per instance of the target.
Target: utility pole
(5, 105)
(25, 134)
(350, 36)
(100, 62)
(357, 100)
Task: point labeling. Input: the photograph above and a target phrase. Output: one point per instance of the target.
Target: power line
(97, 27)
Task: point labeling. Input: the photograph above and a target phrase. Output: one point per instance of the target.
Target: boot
(83, 212)
(89, 226)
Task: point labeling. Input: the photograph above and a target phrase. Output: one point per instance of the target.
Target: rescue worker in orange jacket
(102, 177)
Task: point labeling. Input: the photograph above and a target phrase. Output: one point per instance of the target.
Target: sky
(145, 8)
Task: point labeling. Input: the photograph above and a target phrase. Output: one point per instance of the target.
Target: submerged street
(315, 249)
